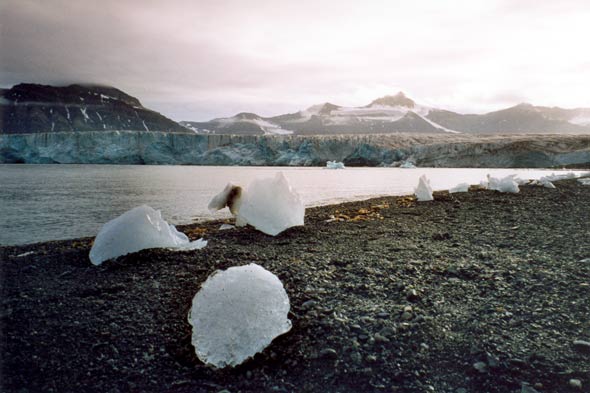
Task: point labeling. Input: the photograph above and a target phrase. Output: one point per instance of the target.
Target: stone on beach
(424, 190)
(237, 313)
(138, 229)
(271, 206)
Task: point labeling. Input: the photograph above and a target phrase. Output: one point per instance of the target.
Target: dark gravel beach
(475, 292)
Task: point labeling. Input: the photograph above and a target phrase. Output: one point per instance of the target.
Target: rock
(480, 366)
(412, 295)
(526, 388)
(576, 383)
(308, 304)
(582, 346)
(328, 353)
(406, 316)
(383, 315)
(380, 339)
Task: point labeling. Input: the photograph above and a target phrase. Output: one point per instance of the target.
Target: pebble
(576, 383)
(412, 295)
(328, 353)
(526, 388)
(380, 339)
(406, 316)
(582, 346)
(480, 366)
(383, 315)
(461, 390)
(309, 304)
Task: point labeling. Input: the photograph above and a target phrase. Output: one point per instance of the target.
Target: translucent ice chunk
(271, 206)
(505, 184)
(584, 181)
(334, 165)
(231, 196)
(137, 229)
(237, 313)
(462, 187)
(423, 191)
(407, 165)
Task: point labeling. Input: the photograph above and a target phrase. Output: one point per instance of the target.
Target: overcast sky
(195, 60)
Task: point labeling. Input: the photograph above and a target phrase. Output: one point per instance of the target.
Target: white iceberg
(271, 206)
(334, 165)
(231, 196)
(138, 229)
(237, 313)
(543, 182)
(407, 165)
(462, 187)
(505, 184)
(424, 190)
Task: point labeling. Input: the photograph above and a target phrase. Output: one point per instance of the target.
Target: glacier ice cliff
(132, 147)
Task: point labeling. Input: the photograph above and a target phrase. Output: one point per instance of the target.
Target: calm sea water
(51, 202)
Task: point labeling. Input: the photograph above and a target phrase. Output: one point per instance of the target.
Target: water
(51, 202)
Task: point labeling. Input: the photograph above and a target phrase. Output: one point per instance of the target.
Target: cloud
(196, 60)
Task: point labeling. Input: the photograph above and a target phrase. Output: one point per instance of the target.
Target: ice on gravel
(138, 229)
(334, 165)
(462, 187)
(271, 205)
(237, 313)
(584, 181)
(231, 196)
(424, 190)
(505, 184)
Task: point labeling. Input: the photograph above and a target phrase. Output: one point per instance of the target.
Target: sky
(197, 60)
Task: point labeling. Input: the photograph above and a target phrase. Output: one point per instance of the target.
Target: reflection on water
(50, 202)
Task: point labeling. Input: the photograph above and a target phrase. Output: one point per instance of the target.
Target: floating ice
(505, 184)
(231, 196)
(271, 206)
(334, 165)
(137, 229)
(462, 187)
(423, 191)
(237, 313)
(407, 165)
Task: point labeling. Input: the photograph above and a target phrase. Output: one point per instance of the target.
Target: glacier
(237, 313)
(137, 229)
(441, 150)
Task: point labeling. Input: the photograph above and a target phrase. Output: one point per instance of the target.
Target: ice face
(462, 187)
(334, 165)
(423, 191)
(231, 196)
(237, 313)
(271, 206)
(505, 184)
(137, 229)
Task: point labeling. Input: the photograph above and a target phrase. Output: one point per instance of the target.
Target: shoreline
(398, 296)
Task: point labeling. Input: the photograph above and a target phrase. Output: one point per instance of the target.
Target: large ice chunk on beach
(237, 313)
(505, 184)
(424, 190)
(461, 187)
(137, 229)
(334, 165)
(271, 205)
(231, 196)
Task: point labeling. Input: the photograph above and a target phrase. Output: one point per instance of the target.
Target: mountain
(32, 108)
(400, 114)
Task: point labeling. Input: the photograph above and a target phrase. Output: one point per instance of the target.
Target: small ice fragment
(423, 191)
(224, 227)
(24, 254)
(137, 229)
(271, 206)
(407, 165)
(584, 181)
(334, 165)
(237, 313)
(231, 196)
(505, 184)
(462, 187)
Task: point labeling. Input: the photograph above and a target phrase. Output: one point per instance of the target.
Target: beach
(472, 292)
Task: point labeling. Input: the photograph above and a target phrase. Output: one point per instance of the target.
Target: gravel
(398, 297)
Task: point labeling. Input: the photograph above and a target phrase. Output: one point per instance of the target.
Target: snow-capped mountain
(31, 108)
(399, 113)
